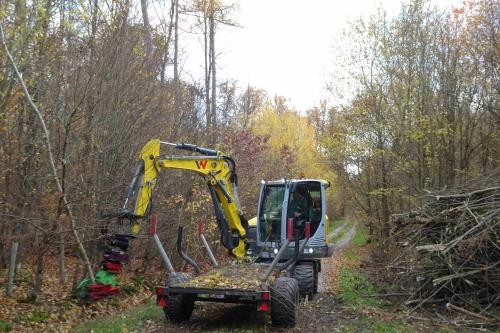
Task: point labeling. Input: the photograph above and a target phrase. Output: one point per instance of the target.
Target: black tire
(304, 273)
(179, 307)
(284, 302)
(316, 273)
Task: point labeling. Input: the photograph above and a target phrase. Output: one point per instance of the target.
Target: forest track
(338, 230)
(327, 265)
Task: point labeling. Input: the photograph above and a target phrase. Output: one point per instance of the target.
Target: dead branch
(452, 255)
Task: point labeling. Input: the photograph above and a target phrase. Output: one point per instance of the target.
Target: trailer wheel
(304, 273)
(179, 307)
(284, 302)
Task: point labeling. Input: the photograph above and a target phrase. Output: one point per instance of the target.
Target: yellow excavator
(277, 254)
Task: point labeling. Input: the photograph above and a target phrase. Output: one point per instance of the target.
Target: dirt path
(328, 264)
(338, 230)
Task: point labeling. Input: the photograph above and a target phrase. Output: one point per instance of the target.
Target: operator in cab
(299, 205)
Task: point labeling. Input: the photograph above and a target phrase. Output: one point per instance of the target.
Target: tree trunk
(176, 58)
(147, 29)
(62, 250)
(212, 66)
(37, 285)
(12, 267)
(167, 43)
(208, 116)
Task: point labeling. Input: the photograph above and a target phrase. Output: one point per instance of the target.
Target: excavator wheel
(179, 307)
(306, 276)
(316, 273)
(284, 302)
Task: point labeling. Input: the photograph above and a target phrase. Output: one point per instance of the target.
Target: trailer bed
(235, 283)
(234, 276)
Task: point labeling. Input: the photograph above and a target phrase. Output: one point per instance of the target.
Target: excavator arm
(219, 173)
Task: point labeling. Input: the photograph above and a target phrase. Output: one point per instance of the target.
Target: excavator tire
(316, 273)
(180, 307)
(305, 275)
(284, 302)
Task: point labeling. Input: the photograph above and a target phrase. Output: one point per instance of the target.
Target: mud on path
(318, 315)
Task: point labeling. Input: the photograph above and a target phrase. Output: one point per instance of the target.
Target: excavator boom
(219, 173)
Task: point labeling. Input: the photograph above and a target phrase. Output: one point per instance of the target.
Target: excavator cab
(301, 201)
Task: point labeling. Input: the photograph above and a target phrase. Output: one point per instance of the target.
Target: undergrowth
(5, 326)
(125, 322)
(357, 291)
(36, 316)
(366, 325)
(360, 237)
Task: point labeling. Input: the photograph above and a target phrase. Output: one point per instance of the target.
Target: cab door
(306, 203)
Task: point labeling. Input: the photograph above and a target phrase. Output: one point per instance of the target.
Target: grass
(351, 256)
(5, 326)
(125, 322)
(360, 237)
(374, 325)
(37, 316)
(357, 291)
(335, 224)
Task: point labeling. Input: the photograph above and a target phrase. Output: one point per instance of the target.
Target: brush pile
(452, 249)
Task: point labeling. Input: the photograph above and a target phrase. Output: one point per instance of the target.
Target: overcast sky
(283, 46)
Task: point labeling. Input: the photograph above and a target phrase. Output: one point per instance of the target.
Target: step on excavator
(277, 253)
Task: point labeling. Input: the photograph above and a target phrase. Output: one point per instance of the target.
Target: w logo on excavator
(201, 164)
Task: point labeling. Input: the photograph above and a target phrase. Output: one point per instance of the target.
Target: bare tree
(50, 158)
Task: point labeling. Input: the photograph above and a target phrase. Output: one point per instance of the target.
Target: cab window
(270, 213)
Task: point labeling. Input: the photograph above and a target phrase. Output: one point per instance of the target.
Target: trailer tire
(179, 307)
(284, 302)
(304, 273)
